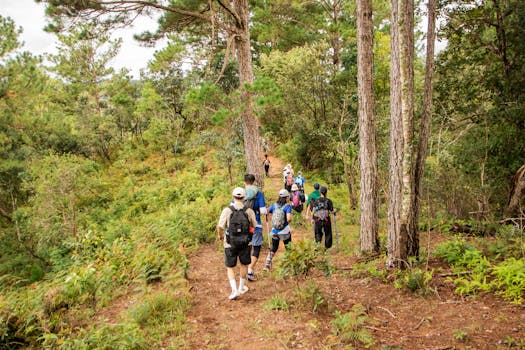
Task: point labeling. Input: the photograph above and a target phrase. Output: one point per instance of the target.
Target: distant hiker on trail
(297, 199)
(289, 182)
(286, 171)
(255, 200)
(239, 223)
(281, 217)
(311, 197)
(266, 163)
(322, 208)
(300, 180)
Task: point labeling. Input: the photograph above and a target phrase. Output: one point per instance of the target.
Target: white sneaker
(243, 290)
(234, 295)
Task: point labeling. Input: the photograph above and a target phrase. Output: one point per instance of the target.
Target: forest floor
(395, 318)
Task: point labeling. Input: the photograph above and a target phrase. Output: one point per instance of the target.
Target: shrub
(300, 258)
(277, 302)
(415, 280)
(510, 279)
(349, 327)
(310, 298)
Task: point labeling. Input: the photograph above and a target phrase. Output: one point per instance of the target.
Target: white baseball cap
(294, 187)
(284, 193)
(239, 192)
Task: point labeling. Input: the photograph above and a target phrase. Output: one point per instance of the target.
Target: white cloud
(31, 17)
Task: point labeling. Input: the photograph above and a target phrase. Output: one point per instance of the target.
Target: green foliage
(476, 272)
(159, 310)
(106, 337)
(452, 251)
(373, 268)
(415, 280)
(510, 279)
(310, 297)
(349, 328)
(302, 257)
(460, 335)
(480, 86)
(277, 302)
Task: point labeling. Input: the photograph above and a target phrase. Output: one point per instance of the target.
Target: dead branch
(389, 312)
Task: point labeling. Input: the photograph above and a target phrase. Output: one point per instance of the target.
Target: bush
(302, 257)
(310, 298)
(277, 302)
(349, 327)
(510, 279)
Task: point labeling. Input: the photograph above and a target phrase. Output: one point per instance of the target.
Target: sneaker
(267, 267)
(251, 277)
(234, 295)
(242, 291)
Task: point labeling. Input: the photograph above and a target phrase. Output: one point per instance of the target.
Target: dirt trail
(216, 322)
(397, 319)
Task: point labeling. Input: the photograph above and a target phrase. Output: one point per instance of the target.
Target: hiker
(297, 199)
(281, 213)
(300, 180)
(289, 182)
(322, 208)
(311, 197)
(286, 172)
(255, 200)
(266, 163)
(239, 224)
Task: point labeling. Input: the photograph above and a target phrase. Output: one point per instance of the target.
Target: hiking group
(240, 224)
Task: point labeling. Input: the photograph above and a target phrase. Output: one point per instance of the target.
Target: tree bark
(516, 193)
(396, 250)
(406, 29)
(369, 236)
(250, 122)
(424, 130)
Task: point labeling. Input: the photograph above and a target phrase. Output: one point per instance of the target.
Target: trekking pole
(269, 236)
(336, 233)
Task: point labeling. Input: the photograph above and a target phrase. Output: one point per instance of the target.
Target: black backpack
(239, 230)
(320, 208)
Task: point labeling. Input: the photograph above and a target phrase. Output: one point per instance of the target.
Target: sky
(30, 16)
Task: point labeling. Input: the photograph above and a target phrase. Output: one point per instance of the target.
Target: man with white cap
(238, 222)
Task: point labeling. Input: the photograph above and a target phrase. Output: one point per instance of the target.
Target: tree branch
(234, 14)
(4, 214)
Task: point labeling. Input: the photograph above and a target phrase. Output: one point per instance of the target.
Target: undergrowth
(477, 270)
(135, 233)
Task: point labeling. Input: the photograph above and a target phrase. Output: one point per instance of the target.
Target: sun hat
(284, 193)
(294, 187)
(238, 192)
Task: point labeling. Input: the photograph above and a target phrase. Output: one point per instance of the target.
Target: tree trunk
(424, 130)
(250, 123)
(369, 237)
(396, 241)
(516, 193)
(406, 41)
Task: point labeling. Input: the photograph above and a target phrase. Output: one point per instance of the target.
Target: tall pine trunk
(396, 250)
(369, 239)
(250, 123)
(406, 29)
(424, 131)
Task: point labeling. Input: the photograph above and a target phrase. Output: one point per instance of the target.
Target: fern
(350, 327)
(510, 279)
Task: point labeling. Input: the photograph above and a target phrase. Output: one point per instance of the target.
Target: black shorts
(231, 254)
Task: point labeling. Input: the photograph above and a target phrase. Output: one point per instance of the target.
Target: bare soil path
(396, 319)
